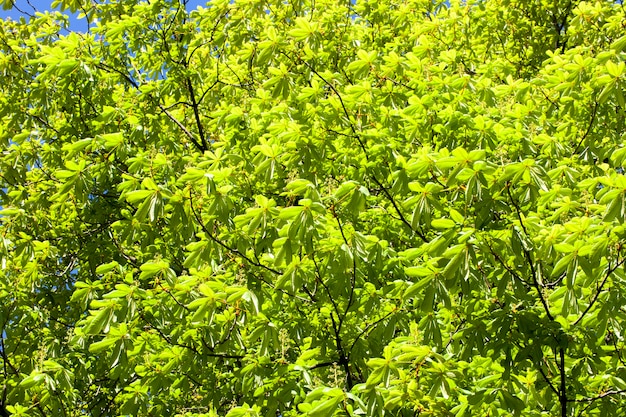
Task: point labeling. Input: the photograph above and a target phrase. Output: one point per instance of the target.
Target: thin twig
(529, 259)
(609, 271)
(593, 117)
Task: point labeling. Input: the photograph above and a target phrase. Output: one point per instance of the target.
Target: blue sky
(25, 7)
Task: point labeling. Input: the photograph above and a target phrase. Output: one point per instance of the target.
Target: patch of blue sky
(27, 8)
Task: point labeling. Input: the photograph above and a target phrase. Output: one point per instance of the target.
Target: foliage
(314, 208)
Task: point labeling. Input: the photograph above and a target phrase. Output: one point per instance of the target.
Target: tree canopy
(314, 207)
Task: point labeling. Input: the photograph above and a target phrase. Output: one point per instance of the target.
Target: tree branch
(354, 271)
(527, 255)
(397, 209)
(563, 389)
(128, 78)
(196, 114)
(591, 400)
(593, 117)
(545, 377)
(239, 253)
(609, 271)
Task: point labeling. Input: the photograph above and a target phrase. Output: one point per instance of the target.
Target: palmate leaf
(138, 196)
(99, 322)
(103, 344)
(34, 379)
(151, 207)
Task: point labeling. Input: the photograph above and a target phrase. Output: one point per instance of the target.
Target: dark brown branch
(609, 271)
(239, 253)
(321, 365)
(362, 145)
(173, 297)
(527, 255)
(169, 340)
(593, 117)
(318, 276)
(224, 245)
(344, 360)
(196, 114)
(600, 396)
(505, 266)
(343, 106)
(397, 209)
(368, 328)
(545, 377)
(563, 389)
(591, 400)
(183, 128)
(354, 270)
(133, 83)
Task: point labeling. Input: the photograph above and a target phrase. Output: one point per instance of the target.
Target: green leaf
(99, 322)
(606, 92)
(561, 265)
(418, 287)
(108, 267)
(34, 379)
(327, 407)
(134, 197)
(418, 271)
(442, 223)
(413, 353)
(103, 344)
